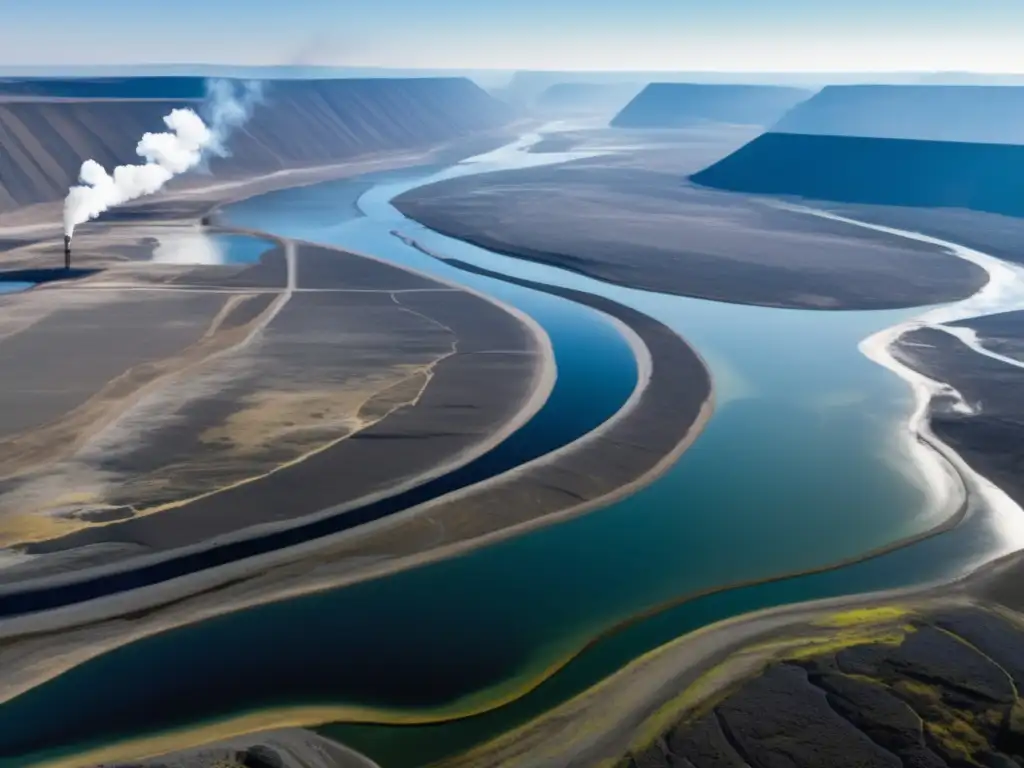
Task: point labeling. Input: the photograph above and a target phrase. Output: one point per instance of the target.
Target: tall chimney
(67, 251)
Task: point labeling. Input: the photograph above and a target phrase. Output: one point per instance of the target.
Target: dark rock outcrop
(261, 756)
(934, 700)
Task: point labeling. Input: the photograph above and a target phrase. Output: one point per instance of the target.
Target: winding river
(808, 461)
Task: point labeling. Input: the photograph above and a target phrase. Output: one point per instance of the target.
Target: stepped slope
(299, 123)
(919, 146)
(671, 105)
(983, 114)
(982, 177)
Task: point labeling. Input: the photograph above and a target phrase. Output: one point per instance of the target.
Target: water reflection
(194, 245)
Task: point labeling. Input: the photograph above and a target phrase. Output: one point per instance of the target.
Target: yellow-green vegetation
(859, 626)
(913, 690)
(886, 625)
(861, 616)
(958, 731)
(822, 646)
(957, 736)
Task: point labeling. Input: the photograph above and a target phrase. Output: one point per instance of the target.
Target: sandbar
(630, 217)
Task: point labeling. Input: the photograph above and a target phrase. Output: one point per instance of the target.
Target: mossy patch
(957, 737)
(914, 690)
(837, 642)
(862, 616)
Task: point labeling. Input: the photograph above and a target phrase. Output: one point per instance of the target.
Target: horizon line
(210, 65)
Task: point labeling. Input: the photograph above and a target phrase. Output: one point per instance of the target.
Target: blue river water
(597, 372)
(801, 466)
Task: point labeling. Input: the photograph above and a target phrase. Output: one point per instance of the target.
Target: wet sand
(989, 432)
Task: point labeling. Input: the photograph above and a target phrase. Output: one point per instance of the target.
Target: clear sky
(733, 35)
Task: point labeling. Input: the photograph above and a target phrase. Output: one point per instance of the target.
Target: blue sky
(734, 35)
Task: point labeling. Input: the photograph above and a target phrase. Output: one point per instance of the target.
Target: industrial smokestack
(166, 154)
(67, 251)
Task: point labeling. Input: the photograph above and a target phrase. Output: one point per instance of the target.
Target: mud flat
(630, 218)
(988, 429)
(992, 233)
(156, 406)
(1002, 333)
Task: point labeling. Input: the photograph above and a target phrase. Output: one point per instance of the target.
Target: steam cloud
(182, 147)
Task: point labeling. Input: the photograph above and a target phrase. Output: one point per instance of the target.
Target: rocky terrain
(941, 692)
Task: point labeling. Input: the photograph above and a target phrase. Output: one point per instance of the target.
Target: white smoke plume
(229, 105)
(180, 149)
